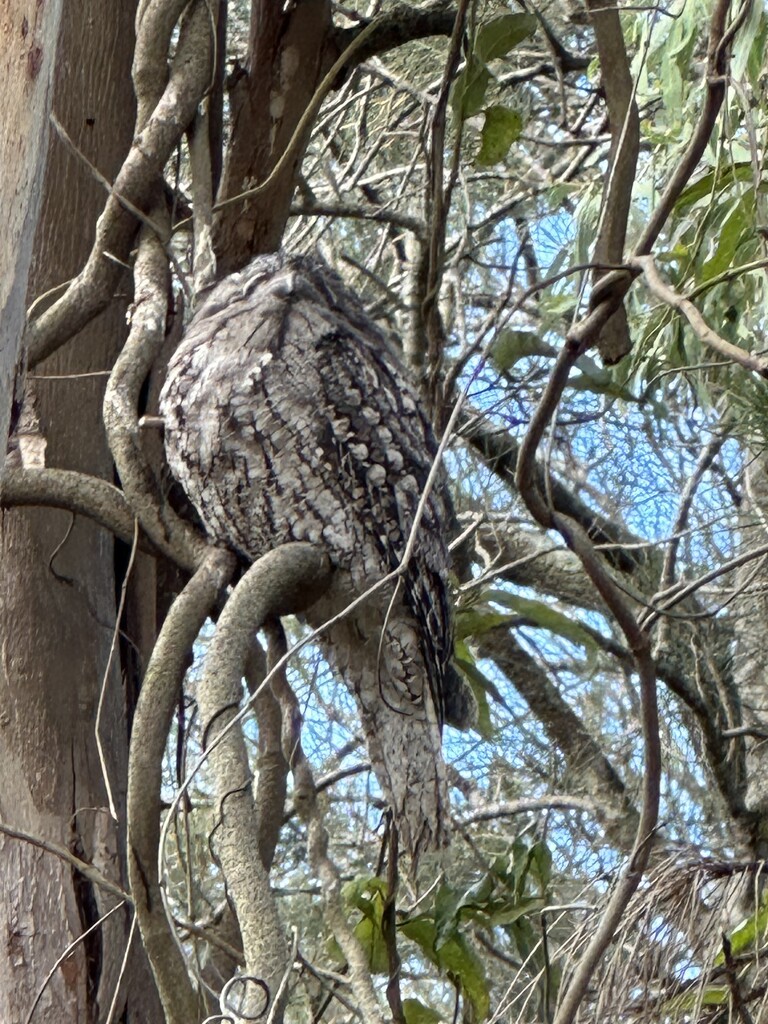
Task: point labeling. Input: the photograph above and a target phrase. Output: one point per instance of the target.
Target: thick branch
(402, 24)
(138, 180)
(154, 714)
(614, 341)
(273, 767)
(170, 534)
(510, 809)
(76, 492)
(528, 558)
(286, 580)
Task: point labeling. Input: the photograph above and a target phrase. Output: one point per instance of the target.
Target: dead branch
(83, 867)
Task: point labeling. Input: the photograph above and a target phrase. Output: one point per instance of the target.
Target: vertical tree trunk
(287, 60)
(57, 578)
(28, 34)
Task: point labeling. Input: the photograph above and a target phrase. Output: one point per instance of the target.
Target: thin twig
(88, 871)
(108, 669)
(65, 956)
(665, 292)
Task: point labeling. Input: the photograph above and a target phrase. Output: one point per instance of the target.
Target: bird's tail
(376, 651)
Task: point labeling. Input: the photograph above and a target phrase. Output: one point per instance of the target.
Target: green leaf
(494, 40)
(367, 894)
(512, 345)
(713, 182)
(466, 967)
(456, 958)
(480, 686)
(469, 89)
(451, 907)
(750, 42)
(363, 893)
(746, 934)
(497, 37)
(370, 936)
(739, 222)
(479, 619)
(421, 930)
(511, 911)
(446, 906)
(546, 617)
(477, 895)
(599, 380)
(714, 995)
(541, 865)
(416, 1012)
(523, 935)
(521, 864)
(502, 127)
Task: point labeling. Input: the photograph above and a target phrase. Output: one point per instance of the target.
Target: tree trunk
(57, 576)
(28, 34)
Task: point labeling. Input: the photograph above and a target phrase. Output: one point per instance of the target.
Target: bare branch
(556, 802)
(614, 341)
(86, 870)
(76, 492)
(284, 581)
(400, 25)
(154, 714)
(138, 180)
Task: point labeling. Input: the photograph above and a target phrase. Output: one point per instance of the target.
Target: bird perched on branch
(289, 418)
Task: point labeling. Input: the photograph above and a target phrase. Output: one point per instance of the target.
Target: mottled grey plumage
(287, 417)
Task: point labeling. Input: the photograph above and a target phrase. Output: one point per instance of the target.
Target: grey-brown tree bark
(57, 572)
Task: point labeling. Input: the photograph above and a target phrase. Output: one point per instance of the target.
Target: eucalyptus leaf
(546, 617)
(416, 1012)
(468, 96)
(497, 37)
(502, 127)
(512, 345)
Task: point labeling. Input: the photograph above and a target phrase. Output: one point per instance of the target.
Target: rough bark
(28, 36)
(57, 581)
(286, 61)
